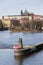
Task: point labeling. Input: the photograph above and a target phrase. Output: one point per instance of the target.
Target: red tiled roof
(38, 15)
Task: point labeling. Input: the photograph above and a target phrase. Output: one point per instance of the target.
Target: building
(6, 21)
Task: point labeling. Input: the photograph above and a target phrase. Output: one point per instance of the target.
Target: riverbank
(33, 31)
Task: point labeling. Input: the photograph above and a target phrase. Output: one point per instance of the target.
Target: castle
(23, 18)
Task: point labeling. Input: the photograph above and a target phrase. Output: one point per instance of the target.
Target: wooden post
(20, 43)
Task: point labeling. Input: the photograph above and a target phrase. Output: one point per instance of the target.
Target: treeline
(32, 25)
(25, 24)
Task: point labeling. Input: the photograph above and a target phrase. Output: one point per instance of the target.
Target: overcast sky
(13, 7)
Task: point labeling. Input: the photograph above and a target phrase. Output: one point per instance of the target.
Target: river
(8, 38)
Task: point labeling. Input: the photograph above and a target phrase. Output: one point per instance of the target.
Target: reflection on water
(7, 58)
(8, 39)
(34, 59)
(18, 60)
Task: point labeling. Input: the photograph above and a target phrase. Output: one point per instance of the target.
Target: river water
(8, 38)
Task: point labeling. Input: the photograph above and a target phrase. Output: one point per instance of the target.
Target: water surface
(11, 38)
(8, 38)
(7, 58)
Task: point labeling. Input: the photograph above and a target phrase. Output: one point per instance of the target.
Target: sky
(14, 7)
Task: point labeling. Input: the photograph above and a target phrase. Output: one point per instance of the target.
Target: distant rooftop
(25, 13)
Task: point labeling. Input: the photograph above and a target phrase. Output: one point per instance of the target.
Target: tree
(1, 25)
(38, 25)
